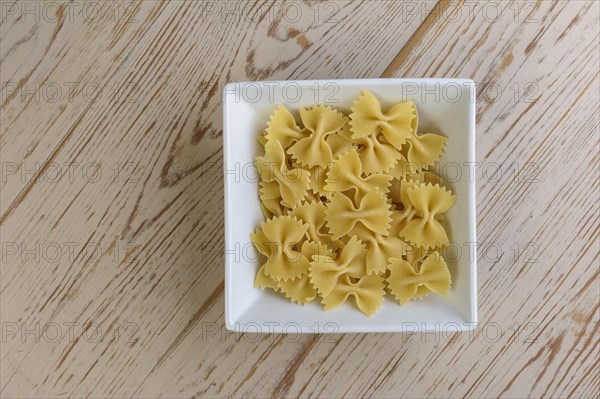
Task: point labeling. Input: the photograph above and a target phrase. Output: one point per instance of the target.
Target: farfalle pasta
(430, 202)
(423, 150)
(368, 293)
(346, 175)
(371, 216)
(376, 155)
(404, 280)
(395, 125)
(277, 240)
(272, 167)
(325, 270)
(313, 214)
(283, 128)
(352, 208)
(320, 121)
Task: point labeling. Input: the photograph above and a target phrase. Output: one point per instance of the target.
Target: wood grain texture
(111, 210)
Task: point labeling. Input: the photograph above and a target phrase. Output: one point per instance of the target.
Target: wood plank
(56, 60)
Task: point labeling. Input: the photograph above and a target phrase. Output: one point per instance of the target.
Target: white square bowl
(444, 106)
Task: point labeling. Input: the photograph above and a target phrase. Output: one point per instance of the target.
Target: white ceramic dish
(445, 106)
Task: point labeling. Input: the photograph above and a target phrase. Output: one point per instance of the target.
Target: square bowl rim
(227, 107)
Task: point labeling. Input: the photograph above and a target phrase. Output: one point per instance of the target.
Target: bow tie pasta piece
(430, 202)
(424, 149)
(376, 156)
(283, 128)
(404, 281)
(367, 118)
(415, 256)
(301, 290)
(313, 214)
(324, 271)
(321, 121)
(276, 240)
(399, 190)
(373, 215)
(367, 292)
(292, 183)
(381, 249)
(346, 173)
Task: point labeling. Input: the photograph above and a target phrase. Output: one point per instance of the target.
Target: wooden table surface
(112, 196)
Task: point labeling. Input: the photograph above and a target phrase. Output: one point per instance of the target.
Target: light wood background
(111, 196)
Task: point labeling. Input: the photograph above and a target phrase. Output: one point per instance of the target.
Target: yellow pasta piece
(324, 271)
(301, 290)
(282, 127)
(367, 292)
(381, 249)
(367, 118)
(430, 202)
(424, 149)
(276, 240)
(321, 121)
(399, 190)
(371, 216)
(415, 256)
(313, 214)
(346, 174)
(273, 168)
(376, 155)
(404, 280)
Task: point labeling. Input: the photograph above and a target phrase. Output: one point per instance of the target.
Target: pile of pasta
(352, 207)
